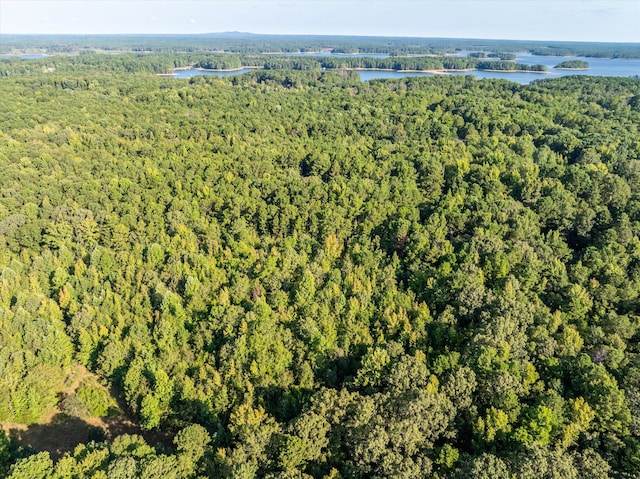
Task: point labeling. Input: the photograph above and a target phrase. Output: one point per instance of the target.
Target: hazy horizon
(610, 21)
(240, 33)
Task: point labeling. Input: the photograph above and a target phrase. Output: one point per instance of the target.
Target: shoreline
(289, 54)
(254, 67)
(514, 71)
(362, 69)
(442, 71)
(191, 67)
(572, 69)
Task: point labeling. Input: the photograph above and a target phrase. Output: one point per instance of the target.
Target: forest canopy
(298, 275)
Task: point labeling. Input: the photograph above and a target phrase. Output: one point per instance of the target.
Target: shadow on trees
(62, 434)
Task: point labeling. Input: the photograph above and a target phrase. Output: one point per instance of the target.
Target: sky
(576, 20)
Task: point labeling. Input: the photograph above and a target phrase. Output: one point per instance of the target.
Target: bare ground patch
(58, 433)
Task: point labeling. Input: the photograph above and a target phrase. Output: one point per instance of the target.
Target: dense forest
(292, 274)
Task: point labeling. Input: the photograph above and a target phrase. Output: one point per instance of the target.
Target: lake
(26, 56)
(331, 54)
(191, 72)
(598, 67)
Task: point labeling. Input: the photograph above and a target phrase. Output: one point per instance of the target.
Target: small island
(499, 66)
(499, 55)
(572, 65)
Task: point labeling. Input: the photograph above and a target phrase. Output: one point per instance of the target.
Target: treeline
(493, 65)
(396, 63)
(595, 50)
(500, 56)
(301, 275)
(166, 63)
(573, 64)
(252, 43)
(96, 63)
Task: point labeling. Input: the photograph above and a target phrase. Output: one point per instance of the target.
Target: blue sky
(580, 20)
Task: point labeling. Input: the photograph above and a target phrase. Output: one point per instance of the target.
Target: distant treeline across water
(249, 43)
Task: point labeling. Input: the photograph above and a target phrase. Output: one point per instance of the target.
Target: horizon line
(239, 33)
